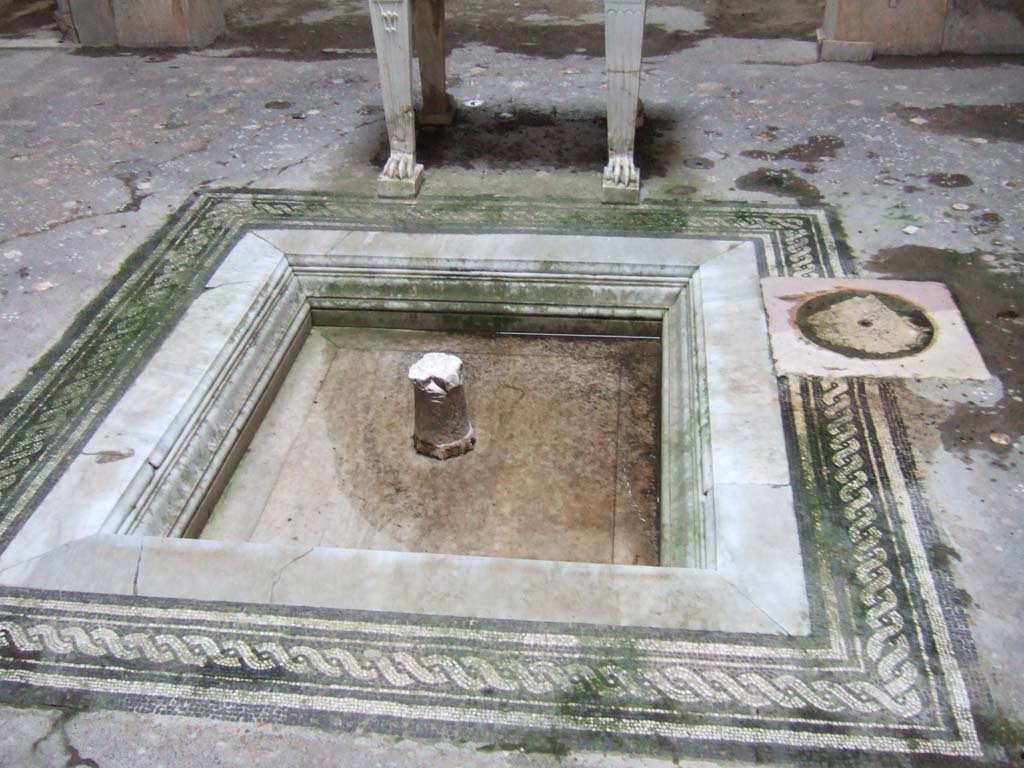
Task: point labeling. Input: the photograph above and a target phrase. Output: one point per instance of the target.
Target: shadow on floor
(506, 137)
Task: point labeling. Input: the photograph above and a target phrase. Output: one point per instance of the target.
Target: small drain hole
(864, 323)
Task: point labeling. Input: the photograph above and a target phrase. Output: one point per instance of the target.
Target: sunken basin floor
(565, 465)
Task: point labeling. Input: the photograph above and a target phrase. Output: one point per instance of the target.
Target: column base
(617, 194)
(401, 187)
(843, 50)
(446, 451)
(438, 119)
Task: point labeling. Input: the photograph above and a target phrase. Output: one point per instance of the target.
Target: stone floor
(919, 160)
(564, 467)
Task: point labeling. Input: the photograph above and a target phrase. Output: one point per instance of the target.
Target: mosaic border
(878, 675)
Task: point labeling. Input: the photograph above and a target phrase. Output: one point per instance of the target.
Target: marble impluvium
(814, 626)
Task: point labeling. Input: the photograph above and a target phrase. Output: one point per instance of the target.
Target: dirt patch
(950, 180)
(516, 122)
(531, 139)
(782, 183)
(699, 163)
(815, 149)
(991, 303)
(986, 223)
(995, 122)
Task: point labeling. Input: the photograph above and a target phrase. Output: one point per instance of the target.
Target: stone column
(443, 429)
(438, 105)
(623, 39)
(392, 37)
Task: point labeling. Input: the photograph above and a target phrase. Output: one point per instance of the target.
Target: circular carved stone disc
(865, 324)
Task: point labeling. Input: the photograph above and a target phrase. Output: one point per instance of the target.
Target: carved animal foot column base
(400, 187)
(402, 176)
(623, 36)
(621, 181)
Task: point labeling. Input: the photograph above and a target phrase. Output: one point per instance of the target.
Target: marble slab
(864, 332)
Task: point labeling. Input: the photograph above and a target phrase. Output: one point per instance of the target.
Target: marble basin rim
(119, 519)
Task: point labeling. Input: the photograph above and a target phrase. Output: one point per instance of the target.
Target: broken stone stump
(442, 426)
(142, 23)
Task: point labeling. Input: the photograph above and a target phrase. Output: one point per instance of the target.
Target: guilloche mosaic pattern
(885, 672)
